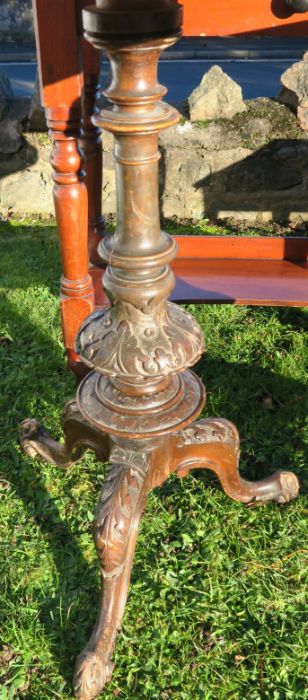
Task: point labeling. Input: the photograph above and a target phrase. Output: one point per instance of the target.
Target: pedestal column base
(135, 468)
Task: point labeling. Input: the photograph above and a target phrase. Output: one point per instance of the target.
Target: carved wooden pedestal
(137, 405)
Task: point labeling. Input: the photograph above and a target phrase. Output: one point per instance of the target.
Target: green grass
(217, 602)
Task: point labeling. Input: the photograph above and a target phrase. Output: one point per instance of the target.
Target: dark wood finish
(138, 402)
(114, 18)
(135, 469)
(274, 18)
(253, 282)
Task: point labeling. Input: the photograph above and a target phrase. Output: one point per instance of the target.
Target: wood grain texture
(70, 198)
(57, 46)
(235, 270)
(242, 247)
(262, 17)
(60, 67)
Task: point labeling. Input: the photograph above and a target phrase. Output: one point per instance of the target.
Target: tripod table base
(136, 467)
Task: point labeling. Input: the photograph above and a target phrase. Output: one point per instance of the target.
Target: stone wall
(252, 167)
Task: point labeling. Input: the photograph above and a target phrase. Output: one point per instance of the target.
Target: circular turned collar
(123, 19)
(108, 410)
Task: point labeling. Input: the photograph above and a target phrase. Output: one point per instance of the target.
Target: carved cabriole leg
(115, 530)
(213, 444)
(123, 498)
(70, 197)
(91, 144)
(78, 437)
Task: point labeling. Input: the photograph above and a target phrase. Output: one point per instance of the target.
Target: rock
(108, 141)
(302, 114)
(6, 93)
(37, 119)
(26, 191)
(3, 106)
(297, 149)
(256, 131)
(287, 97)
(183, 170)
(109, 182)
(220, 163)
(10, 136)
(252, 168)
(265, 171)
(18, 109)
(12, 163)
(5, 86)
(217, 96)
(188, 135)
(294, 92)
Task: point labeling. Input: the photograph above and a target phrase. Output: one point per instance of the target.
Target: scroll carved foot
(93, 672)
(118, 513)
(214, 444)
(78, 435)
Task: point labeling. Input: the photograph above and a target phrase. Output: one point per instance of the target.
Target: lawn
(219, 591)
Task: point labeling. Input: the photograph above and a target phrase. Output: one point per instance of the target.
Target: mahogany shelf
(257, 271)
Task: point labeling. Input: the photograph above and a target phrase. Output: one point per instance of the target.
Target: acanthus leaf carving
(124, 341)
(210, 430)
(118, 503)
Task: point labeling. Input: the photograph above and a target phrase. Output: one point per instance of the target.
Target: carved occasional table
(136, 407)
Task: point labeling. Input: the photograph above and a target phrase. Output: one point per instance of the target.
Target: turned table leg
(58, 48)
(70, 197)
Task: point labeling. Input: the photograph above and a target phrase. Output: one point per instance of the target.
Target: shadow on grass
(42, 394)
(296, 319)
(279, 427)
(29, 256)
(35, 383)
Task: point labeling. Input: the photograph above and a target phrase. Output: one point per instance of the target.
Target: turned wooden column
(138, 404)
(58, 46)
(71, 208)
(141, 344)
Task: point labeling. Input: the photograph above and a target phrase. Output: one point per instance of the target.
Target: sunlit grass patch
(218, 597)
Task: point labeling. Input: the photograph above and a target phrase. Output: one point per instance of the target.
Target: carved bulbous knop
(124, 341)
